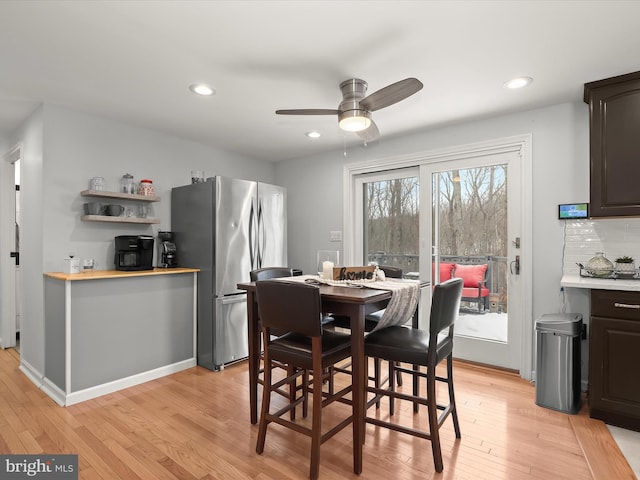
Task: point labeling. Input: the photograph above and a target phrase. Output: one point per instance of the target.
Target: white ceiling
(134, 60)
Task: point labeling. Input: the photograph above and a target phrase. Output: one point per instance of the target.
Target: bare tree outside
(473, 212)
(392, 223)
(472, 225)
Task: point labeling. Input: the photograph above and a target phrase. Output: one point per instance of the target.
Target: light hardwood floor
(195, 425)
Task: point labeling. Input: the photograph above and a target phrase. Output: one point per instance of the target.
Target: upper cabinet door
(614, 107)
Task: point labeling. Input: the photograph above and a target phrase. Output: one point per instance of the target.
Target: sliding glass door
(453, 214)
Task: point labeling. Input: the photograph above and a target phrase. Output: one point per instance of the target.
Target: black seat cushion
(404, 344)
(295, 349)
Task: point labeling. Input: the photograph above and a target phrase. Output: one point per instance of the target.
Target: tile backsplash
(615, 237)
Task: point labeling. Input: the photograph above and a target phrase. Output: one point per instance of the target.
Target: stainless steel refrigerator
(227, 227)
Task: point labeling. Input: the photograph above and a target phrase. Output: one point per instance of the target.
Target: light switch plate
(335, 236)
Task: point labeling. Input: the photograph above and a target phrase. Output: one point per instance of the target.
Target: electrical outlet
(335, 236)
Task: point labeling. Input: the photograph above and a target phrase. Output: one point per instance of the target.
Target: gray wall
(30, 136)
(560, 152)
(62, 150)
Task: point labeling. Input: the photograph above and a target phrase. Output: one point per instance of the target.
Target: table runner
(401, 307)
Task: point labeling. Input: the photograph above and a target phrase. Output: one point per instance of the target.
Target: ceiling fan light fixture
(354, 120)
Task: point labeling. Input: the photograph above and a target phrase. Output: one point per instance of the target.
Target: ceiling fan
(354, 112)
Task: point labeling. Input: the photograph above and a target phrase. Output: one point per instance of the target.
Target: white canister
(74, 265)
(97, 183)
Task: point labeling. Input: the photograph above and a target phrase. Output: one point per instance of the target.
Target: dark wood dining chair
(267, 273)
(270, 272)
(296, 308)
(421, 349)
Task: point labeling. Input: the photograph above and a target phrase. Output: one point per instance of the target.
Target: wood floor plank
(195, 425)
(605, 459)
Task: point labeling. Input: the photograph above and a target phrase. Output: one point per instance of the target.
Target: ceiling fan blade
(308, 111)
(391, 94)
(370, 134)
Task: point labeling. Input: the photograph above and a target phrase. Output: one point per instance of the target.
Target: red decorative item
(146, 188)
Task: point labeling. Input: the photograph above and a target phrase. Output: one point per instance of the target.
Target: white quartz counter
(576, 281)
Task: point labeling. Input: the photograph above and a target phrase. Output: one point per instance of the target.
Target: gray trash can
(558, 369)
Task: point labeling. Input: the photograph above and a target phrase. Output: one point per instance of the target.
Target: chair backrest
(445, 305)
(391, 272)
(270, 272)
(291, 306)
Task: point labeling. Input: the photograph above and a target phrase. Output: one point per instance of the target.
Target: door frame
(7, 244)
(520, 143)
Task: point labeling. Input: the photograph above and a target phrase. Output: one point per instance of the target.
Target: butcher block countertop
(103, 274)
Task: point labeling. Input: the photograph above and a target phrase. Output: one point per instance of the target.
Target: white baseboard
(105, 388)
(53, 391)
(31, 373)
(62, 399)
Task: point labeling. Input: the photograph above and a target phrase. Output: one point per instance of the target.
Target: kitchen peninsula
(107, 330)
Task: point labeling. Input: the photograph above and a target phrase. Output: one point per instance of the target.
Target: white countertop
(576, 281)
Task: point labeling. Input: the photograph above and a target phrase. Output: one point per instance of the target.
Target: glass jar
(599, 266)
(126, 184)
(146, 188)
(97, 183)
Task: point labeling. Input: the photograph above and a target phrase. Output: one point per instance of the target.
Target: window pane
(392, 224)
(470, 236)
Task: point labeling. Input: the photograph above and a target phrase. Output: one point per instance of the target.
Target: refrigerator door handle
(262, 238)
(252, 240)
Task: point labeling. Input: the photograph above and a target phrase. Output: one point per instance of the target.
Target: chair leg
(316, 424)
(452, 398)
(434, 429)
(266, 401)
(330, 374)
(305, 392)
(398, 375)
(377, 364)
(416, 388)
(293, 387)
(392, 388)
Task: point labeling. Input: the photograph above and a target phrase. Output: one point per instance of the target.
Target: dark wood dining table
(351, 302)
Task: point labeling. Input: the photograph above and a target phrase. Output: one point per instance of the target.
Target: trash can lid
(564, 323)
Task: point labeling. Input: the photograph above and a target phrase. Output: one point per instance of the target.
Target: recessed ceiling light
(202, 89)
(313, 134)
(518, 82)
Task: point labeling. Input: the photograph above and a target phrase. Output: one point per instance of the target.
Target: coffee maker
(167, 252)
(134, 252)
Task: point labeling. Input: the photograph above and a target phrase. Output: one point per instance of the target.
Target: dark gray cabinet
(614, 113)
(614, 358)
